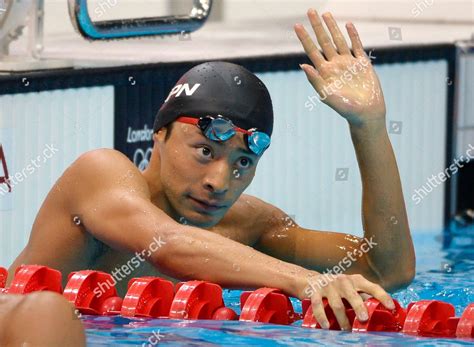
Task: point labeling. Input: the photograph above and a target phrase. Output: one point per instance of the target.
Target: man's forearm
(193, 253)
(383, 208)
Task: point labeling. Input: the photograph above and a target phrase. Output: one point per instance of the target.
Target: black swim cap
(223, 88)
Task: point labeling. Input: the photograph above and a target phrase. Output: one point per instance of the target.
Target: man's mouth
(207, 205)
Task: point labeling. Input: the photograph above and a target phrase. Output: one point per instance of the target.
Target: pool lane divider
(154, 297)
(3, 277)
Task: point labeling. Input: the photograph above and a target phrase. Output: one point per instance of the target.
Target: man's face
(202, 178)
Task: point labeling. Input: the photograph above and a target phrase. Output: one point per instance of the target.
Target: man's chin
(200, 220)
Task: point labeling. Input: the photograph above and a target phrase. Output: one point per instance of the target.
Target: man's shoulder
(257, 208)
(101, 157)
(250, 214)
(246, 209)
(104, 168)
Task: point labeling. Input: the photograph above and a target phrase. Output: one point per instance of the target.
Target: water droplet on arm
(280, 234)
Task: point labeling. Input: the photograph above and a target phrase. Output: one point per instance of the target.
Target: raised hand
(344, 80)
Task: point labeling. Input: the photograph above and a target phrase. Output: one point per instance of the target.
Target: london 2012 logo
(141, 158)
(3, 163)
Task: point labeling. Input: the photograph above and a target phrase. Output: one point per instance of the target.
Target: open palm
(344, 80)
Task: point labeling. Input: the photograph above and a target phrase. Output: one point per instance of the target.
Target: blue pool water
(445, 271)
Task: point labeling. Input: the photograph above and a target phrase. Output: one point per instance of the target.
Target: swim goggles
(221, 129)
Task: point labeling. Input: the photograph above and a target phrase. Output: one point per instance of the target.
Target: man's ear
(160, 135)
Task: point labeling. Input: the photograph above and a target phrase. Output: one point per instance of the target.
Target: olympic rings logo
(141, 158)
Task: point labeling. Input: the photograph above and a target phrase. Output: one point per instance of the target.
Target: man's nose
(218, 178)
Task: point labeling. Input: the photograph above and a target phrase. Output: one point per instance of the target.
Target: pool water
(445, 271)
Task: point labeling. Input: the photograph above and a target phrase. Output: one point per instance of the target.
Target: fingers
(339, 310)
(357, 47)
(347, 287)
(325, 41)
(362, 284)
(318, 310)
(314, 78)
(310, 48)
(323, 38)
(336, 34)
(355, 300)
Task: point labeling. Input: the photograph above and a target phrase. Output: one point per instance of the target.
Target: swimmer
(186, 217)
(39, 319)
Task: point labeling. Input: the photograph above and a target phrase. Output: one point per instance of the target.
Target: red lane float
(177, 286)
(3, 277)
(225, 313)
(381, 318)
(309, 321)
(431, 318)
(34, 278)
(465, 326)
(148, 297)
(93, 292)
(267, 305)
(196, 300)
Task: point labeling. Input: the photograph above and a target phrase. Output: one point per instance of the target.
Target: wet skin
(39, 319)
(247, 243)
(72, 246)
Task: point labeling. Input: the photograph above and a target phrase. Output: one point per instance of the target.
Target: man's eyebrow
(246, 151)
(221, 144)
